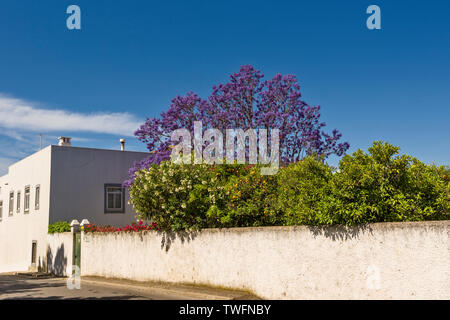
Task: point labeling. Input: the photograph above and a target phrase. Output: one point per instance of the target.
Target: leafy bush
(386, 186)
(377, 186)
(304, 193)
(248, 199)
(59, 227)
(191, 197)
(175, 196)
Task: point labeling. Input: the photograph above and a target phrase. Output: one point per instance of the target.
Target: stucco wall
(71, 181)
(18, 231)
(78, 179)
(59, 253)
(379, 261)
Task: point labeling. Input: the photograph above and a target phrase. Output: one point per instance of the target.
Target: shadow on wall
(168, 237)
(335, 233)
(57, 263)
(41, 265)
(340, 232)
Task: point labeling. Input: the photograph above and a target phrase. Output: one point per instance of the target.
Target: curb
(195, 295)
(35, 275)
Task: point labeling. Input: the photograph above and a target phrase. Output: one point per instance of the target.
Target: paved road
(23, 287)
(47, 287)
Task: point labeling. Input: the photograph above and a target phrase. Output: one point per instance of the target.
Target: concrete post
(74, 226)
(84, 223)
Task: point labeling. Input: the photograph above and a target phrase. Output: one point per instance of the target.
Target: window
(18, 202)
(114, 198)
(11, 203)
(1, 210)
(36, 197)
(26, 200)
(33, 252)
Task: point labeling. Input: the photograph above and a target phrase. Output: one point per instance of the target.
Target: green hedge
(58, 227)
(377, 186)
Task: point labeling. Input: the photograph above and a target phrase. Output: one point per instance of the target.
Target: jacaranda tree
(246, 101)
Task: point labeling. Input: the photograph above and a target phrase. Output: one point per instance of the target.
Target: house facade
(60, 183)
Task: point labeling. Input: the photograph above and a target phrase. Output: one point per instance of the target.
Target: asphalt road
(13, 286)
(22, 287)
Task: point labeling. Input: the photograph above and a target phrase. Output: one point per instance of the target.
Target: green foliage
(304, 193)
(59, 227)
(175, 196)
(248, 200)
(377, 186)
(385, 186)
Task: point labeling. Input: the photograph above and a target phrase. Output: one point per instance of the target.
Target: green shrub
(304, 193)
(59, 227)
(175, 196)
(385, 186)
(249, 198)
(377, 186)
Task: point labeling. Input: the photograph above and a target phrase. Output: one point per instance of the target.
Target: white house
(60, 183)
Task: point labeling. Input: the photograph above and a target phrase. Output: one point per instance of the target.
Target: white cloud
(19, 115)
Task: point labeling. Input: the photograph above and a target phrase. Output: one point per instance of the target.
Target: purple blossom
(246, 101)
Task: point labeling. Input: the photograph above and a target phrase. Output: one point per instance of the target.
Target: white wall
(382, 261)
(60, 253)
(78, 179)
(72, 182)
(19, 230)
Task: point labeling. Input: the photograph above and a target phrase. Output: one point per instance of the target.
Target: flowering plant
(175, 196)
(245, 101)
(134, 227)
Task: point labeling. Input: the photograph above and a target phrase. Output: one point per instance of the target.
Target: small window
(36, 197)
(33, 253)
(114, 198)
(1, 210)
(26, 200)
(18, 202)
(11, 203)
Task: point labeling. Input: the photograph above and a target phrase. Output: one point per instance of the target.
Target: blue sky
(130, 58)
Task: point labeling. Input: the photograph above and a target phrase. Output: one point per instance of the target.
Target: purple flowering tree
(246, 101)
